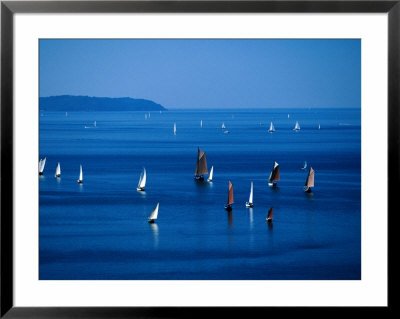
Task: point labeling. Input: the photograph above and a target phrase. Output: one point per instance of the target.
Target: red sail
(270, 213)
(310, 178)
(275, 173)
(230, 193)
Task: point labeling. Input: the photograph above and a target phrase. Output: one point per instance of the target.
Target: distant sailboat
(270, 215)
(271, 128)
(42, 163)
(288, 115)
(154, 214)
(80, 180)
(142, 181)
(229, 203)
(223, 126)
(149, 114)
(210, 177)
(250, 202)
(296, 127)
(201, 123)
(201, 166)
(304, 165)
(174, 128)
(58, 171)
(319, 126)
(274, 175)
(95, 124)
(309, 181)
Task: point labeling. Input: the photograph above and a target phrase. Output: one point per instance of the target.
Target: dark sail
(275, 173)
(310, 178)
(270, 213)
(201, 167)
(230, 194)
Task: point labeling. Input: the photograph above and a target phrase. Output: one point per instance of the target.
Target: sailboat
(309, 181)
(229, 203)
(95, 124)
(250, 202)
(174, 128)
(154, 214)
(296, 127)
(223, 126)
(42, 163)
(210, 177)
(288, 116)
(201, 166)
(142, 181)
(274, 175)
(319, 126)
(271, 128)
(270, 215)
(201, 123)
(304, 165)
(80, 180)
(58, 170)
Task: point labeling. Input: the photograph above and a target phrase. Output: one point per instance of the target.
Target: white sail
(297, 126)
(94, 124)
(58, 170)
(271, 128)
(251, 194)
(142, 179)
(210, 177)
(288, 115)
(154, 213)
(223, 126)
(319, 126)
(174, 128)
(81, 174)
(201, 123)
(304, 165)
(42, 163)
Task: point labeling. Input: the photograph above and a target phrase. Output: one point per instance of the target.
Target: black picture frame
(9, 8)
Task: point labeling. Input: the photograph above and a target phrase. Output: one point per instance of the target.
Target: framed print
(195, 155)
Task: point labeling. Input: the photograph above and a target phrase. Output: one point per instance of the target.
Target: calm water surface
(99, 230)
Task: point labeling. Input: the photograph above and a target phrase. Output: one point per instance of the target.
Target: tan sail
(274, 176)
(230, 194)
(201, 167)
(310, 178)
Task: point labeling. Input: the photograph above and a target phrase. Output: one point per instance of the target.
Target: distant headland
(70, 103)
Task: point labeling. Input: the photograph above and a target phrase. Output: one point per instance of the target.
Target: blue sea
(99, 229)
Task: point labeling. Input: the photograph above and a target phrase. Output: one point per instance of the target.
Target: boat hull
(151, 221)
(307, 189)
(269, 220)
(249, 204)
(228, 208)
(79, 181)
(273, 184)
(199, 178)
(57, 175)
(140, 189)
(40, 173)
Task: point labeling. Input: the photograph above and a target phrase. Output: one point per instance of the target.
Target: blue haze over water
(99, 230)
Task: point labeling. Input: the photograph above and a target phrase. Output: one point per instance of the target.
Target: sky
(205, 73)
